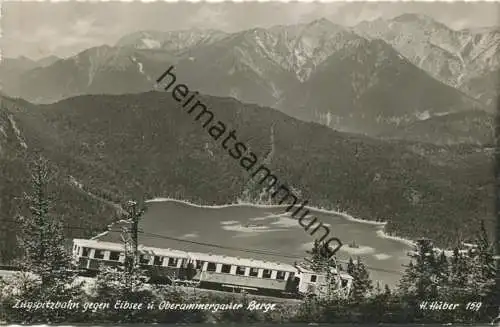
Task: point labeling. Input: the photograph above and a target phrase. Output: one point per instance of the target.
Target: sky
(40, 29)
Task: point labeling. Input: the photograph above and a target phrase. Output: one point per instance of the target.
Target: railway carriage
(211, 271)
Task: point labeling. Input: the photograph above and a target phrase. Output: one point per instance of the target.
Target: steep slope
(22, 138)
(453, 57)
(97, 70)
(171, 41)
(144, 145)
(46, 61)
(301, 48)
(254, 66)
(473, 127)
(235, 63)
(11, 70)
(485, 88)
(242, 66)
(11, 160)
(368, 87)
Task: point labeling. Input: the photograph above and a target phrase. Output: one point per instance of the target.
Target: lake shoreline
(380, 233)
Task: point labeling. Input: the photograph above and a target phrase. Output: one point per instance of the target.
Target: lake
(266, 233)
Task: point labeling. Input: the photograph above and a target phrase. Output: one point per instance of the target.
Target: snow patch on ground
(271, 216)
(17, 132)
(286, 222)
(251, 229)
(382, 234)
(76, 183)
(229, 222)
(190, 235)
(423, 115)
(382, 256)
(2, 130)
(151, 44)
(140, 67)
(357, 251)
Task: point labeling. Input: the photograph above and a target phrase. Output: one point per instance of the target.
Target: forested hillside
(109, 148)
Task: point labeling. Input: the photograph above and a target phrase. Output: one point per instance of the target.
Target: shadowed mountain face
(108, 148)
(102, 69)
(457, 58)
(254, 66)
(22, 137)
(367, 87)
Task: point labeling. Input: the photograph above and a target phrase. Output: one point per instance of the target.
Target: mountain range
(457, 58)
(105, 149)
(376, 78)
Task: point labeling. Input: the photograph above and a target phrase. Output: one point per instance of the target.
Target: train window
(199, 264)
(254, 272)
(313, 278)
(240, 270)
(211, 266)
(99, 254)
(113, 255)
(280, 275)
(74, 247)
(158, 261)
(144, 259)
(85, 252)
(291, 275)
(172, 262)
(266, 273)
(226, 269)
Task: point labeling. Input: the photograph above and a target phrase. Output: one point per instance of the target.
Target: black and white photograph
(252, 163)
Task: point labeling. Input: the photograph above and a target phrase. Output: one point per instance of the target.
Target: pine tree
(362, 284)
(319, 260)
(484, 260)
(378, 289)
(442, 271)
(351, 267)
(459, 272)
(42, 237)
(425, 270)
(407, 283)
(387, 290)
(47, 270)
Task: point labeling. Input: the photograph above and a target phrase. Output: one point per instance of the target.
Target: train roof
(345, 275)
(193, 255)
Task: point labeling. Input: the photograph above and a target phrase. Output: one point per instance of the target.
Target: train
(213, 271)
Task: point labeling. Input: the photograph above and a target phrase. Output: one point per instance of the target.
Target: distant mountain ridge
(171, 41)
(375, 89)
(454, 57)
(296, 69)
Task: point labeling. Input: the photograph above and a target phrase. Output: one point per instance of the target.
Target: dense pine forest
(162, 153)
(466, 276)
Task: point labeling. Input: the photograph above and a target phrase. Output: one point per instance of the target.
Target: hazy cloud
(38, 29)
